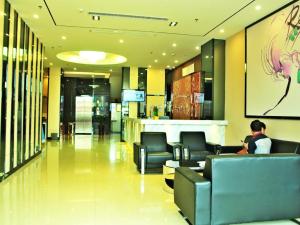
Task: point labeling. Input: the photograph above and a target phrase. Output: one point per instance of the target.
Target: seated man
(258, 142)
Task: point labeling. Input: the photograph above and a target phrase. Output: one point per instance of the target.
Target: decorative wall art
(184, 104)
(273, 65)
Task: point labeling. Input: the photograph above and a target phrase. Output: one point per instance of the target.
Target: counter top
(179, 122)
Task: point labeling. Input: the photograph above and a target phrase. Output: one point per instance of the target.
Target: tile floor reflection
(86, 181)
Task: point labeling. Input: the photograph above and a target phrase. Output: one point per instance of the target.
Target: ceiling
(145, 40)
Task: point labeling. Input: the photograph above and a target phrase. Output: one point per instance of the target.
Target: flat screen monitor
(133, 96)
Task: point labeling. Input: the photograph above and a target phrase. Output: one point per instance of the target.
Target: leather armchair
(153, 151)
(240, 189)
(194, 146)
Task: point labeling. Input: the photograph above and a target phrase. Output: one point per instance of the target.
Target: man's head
(256, 126)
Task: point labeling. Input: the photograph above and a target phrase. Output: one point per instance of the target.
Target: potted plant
(155, 112)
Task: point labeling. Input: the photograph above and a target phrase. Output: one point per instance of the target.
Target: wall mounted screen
(133, 96)
(273, 65)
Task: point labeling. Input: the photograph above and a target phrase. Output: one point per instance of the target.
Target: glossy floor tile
(86, 181)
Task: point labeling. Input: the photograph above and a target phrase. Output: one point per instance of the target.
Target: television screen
(133, 96)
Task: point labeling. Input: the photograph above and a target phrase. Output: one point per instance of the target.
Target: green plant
(155, 111)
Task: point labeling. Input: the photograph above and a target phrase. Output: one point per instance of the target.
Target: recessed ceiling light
(174, 44)
(258, 7)
(116, 31)
(51, 64)
(45, 58)
(121, 41)
(168, 66)
(197, 48)
(206, 56)
(36, 16)
(74, 68)
(155, 60)
(110, 70)
(173, 24)
(95, 17)
(222, 31)
(173, 67)
(164, 54)
(149, 66)
(63, 37)
(176, 61)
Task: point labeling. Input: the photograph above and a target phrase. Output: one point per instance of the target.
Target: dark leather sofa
(278, 146)
(240, 189)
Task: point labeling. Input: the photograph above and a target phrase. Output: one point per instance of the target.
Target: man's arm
(251, 147)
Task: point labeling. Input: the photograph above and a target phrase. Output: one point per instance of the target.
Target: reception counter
(214, 129)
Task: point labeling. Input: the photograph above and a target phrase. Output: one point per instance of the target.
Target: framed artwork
(272, 87)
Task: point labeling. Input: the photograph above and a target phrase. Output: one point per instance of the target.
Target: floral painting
(273, 65)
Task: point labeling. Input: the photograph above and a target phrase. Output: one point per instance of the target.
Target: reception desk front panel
(214, 129)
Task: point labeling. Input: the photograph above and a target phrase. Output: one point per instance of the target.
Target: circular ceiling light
(91, 57)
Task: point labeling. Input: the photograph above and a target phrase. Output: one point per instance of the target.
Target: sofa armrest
(212, 147)
(229, 149)
(192, 195)
(175, 148)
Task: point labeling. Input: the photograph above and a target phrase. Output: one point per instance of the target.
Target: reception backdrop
(273, 65)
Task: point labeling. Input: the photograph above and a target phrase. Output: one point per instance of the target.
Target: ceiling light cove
(91, 57)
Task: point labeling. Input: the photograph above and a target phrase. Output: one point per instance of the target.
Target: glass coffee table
(169, 171)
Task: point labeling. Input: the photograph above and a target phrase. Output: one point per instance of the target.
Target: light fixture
(258, 7)
(51, 64)
(173, 24)
(164, 54)
(149, 66)
(121, 41)
(94, 85)
(75, 68)
(45, 58)
(174, 44)
(176, 61)
(110, 70)
(91, 57)
(36, 16)
(155, 60)
(168, 66)
(95, 17)
(222, 31)
(197, 48)
(63, 37)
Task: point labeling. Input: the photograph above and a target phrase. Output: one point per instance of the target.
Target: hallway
(95, 184)
(83, 181)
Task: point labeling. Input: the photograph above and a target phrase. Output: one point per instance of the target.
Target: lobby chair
(194, 146)
(152, 152)
(240, 189)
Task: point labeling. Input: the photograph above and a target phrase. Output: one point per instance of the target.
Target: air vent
(128, 16)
